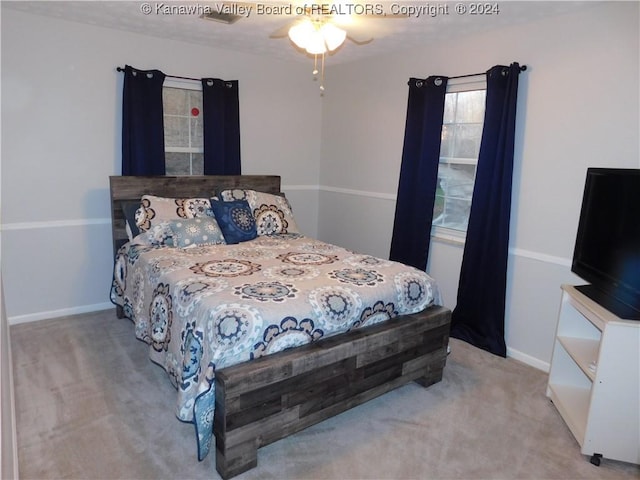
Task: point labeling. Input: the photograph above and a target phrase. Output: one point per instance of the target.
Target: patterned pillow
(273, 213)
(158, 235)
(235, 220)
(196, 231)
(154, 210)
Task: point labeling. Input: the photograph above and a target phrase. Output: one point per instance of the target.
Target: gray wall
(578, 107)
(61, 112)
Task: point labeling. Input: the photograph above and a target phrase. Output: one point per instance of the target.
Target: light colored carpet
(91, 405)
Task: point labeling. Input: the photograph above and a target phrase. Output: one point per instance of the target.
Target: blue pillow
(235, 220)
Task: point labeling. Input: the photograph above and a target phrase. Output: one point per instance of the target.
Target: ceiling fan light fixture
(317, 39)
(315, 43)
(300, 33)
(333, 36)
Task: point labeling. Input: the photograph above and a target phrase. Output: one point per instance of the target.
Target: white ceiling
(251, 34)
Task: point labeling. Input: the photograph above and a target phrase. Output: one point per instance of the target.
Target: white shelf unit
(594, 380)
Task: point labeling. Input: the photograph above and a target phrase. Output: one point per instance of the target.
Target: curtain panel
(221, 123)
(478, 317)
(418, 172)
(142, 122)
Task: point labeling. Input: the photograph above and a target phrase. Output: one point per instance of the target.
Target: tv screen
(607, 249)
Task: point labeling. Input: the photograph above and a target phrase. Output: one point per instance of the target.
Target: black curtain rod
(120, 69)
(522, 69)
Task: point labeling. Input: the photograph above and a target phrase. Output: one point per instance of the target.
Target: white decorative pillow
(273, 213)
(196, 231)
(154, 210)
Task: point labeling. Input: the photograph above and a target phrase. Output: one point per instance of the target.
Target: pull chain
(322, 77)
(321, 72)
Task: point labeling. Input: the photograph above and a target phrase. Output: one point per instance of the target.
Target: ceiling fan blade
(282, 31)
(360, 39)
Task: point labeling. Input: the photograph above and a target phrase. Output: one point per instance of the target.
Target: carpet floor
(90, 405)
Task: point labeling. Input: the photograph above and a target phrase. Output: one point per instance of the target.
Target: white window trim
(448, 235)
(467, 84)
(183, 83)
(456, 85)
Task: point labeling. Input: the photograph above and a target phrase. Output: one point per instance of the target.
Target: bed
(274, 333)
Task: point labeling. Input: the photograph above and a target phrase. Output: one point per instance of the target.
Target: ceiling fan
(319, 29)
(350, 18)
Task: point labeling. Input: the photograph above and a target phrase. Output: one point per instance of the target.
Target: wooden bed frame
(269, 398)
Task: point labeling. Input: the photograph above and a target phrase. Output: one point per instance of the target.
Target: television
(607, 248)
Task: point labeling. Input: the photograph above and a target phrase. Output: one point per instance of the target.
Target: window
(183, 134)
(461, 135)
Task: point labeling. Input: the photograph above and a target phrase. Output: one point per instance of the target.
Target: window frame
(457, 85)
(184, 84)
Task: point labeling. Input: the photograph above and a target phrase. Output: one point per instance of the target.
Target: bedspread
(208, 307)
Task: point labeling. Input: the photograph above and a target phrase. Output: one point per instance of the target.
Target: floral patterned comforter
(210, 307)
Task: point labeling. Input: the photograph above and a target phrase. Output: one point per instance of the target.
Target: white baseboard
(64, 312)
(8, 436)
(528, 359)
(34, 317)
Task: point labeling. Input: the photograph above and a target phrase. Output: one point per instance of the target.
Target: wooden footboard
(270, 398)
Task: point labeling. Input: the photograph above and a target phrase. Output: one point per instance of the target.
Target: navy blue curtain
(478, 317)
(142, 123)
(221, 124)
(418, 172)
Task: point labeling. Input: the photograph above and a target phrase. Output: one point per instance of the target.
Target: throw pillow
(235, 220)
(164, 209)
(273, 213)
(196, 231)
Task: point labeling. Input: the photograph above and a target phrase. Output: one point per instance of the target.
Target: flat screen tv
(607, 249)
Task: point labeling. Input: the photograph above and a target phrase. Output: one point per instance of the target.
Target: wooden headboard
(131, 188)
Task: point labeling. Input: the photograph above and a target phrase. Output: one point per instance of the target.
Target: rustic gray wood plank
(266, 370)
(132, 188)
(329, 377)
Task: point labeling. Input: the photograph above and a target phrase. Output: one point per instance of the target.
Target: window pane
(446, 145)
(470, 107)
(176, 131)
(174, 101)
(467, 141)
(183, 131)
(453, 195)
(461, 137)
(184, 163)
(455, 214)
(195, 99)
(196, 132)
(197, 164)
(177, 163)
(449, 108)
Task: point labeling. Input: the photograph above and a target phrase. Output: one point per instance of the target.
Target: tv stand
(609, 302)
(594, 379)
